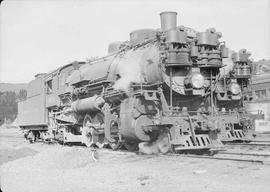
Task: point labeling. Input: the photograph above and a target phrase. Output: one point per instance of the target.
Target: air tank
(90, 104)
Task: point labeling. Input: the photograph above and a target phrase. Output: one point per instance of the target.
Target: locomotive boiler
(160, 82)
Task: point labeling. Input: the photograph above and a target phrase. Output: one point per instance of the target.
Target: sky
(41, 35)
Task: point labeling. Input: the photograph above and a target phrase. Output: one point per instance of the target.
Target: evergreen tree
(9, 104)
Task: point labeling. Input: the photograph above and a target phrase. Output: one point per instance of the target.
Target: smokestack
(168, 20)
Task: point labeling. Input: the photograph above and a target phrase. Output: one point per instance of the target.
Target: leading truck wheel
(90, 135)
(87, 137)
(115, 135)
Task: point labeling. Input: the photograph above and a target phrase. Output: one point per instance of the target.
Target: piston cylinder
(168, 20)
(88, 104)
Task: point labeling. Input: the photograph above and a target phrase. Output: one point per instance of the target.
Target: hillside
(262, 66)
(9, 95)
(15, 87)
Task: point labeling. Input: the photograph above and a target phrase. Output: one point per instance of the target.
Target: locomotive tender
(160, 82)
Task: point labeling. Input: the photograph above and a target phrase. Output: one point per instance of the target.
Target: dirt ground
(41, 167)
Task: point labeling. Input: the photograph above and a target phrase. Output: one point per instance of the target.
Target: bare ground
(55, 168)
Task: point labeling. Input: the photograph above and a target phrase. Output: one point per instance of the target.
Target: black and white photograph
(134, 95)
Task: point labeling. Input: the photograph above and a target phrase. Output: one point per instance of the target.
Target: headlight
(197, 80)
(235, 88)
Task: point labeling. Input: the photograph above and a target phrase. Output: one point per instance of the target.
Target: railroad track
(253, 152)
(252, 146)
(234, 152)
(261, 143)
(234, 157)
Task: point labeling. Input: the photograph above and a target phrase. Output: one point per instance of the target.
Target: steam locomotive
(235, 123)
(162, 82)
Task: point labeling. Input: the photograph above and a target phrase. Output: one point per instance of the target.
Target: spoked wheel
(87, 137)
(131, 146)
(59, 135)
(98, 135)
(100, 141)
(31, 137)
(90, 135)
(115, 136)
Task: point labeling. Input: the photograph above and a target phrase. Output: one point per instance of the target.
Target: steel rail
(254, 141)
(249, 144)
(244, 154)
(227, 159)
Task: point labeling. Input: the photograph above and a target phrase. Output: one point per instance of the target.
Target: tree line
(9, 105)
